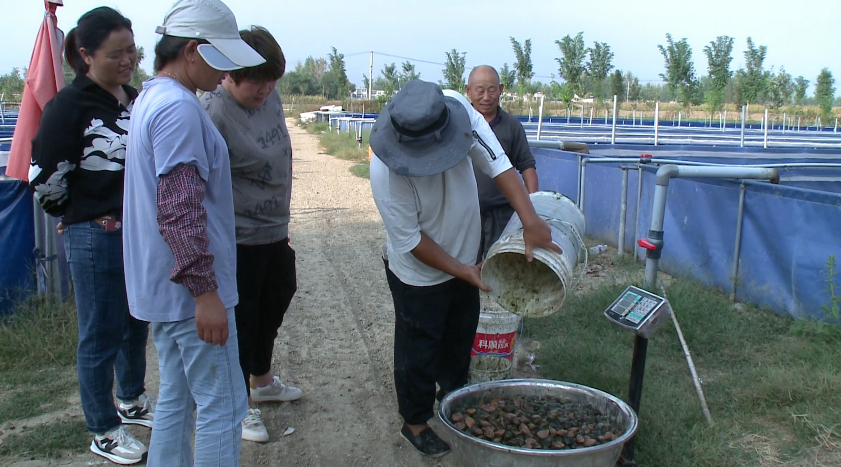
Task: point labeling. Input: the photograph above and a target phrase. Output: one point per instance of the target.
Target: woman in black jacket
(78, 160)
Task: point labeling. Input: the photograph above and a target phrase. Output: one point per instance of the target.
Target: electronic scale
(642, 313)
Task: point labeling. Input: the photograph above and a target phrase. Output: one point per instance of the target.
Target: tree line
(587, 71)
(583, 72)
(318, 77)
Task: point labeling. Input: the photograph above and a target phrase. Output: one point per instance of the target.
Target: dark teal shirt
(512, 137)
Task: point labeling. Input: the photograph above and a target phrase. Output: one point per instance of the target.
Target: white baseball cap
(213, 21)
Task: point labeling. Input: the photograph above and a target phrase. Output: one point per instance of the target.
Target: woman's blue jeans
(110, 339)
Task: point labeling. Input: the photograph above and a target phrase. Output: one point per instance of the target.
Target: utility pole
(628, 93)
(371, 75)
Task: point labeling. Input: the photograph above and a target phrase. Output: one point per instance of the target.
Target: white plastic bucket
(496, 334)
(538, 288)
(484, 368)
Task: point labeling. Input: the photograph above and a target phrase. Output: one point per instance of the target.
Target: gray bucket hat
(420, 132)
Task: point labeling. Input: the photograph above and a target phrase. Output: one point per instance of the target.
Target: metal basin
(474, 452)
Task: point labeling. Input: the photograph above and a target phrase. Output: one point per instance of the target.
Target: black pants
(434, 328)
(494, 221)
(266, 283)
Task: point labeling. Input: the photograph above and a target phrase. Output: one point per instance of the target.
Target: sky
(799, 35)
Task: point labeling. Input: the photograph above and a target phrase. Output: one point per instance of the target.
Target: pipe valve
(643, 242)
(653, 244)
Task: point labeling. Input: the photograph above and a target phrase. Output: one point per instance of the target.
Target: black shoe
(427, 442)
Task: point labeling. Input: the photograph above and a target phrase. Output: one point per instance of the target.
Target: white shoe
(140, 411)
(275, 392)
(253, 428)
(119, 447)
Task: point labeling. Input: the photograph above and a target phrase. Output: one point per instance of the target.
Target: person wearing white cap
(179, 240)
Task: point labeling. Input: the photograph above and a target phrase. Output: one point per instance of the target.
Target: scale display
(638, 311)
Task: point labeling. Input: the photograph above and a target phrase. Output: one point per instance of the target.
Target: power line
(410, 59)
(471, 67)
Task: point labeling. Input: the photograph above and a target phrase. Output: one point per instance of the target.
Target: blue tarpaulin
(17, 234)
(788, 232)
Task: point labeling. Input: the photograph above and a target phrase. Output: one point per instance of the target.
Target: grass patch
(773, 393)
(361, 170)
(29, 393)
(37, 358)
(342, 145)
(316, 128)
(294, 114)
(47, 441)
(39, 333)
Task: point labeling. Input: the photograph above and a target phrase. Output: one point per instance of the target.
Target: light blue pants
(202, 377)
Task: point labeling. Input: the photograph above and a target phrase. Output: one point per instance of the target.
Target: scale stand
(642, 313)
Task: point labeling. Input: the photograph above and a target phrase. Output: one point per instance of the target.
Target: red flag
(44, 78)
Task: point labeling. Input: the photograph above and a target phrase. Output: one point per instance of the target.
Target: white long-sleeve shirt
(443, 206)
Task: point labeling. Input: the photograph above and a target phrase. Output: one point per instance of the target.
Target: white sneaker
(275, 392)
(140, 411)
(119, 447)
(253, 428)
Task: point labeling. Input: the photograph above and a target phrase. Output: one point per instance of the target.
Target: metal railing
(771, 131)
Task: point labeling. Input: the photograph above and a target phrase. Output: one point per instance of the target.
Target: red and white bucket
(496, 334)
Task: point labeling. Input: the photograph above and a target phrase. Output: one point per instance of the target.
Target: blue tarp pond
(788, 231)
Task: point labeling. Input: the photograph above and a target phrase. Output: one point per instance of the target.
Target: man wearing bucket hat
(179, 241)
(423, 184)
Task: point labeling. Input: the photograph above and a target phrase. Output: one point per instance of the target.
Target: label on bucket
(494, 344)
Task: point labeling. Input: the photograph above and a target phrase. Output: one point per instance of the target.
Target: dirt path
(336, 341)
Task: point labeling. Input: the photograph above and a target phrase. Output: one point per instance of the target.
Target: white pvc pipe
(765, 142)
(667, 172)
(656, 122)
(695, 378)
